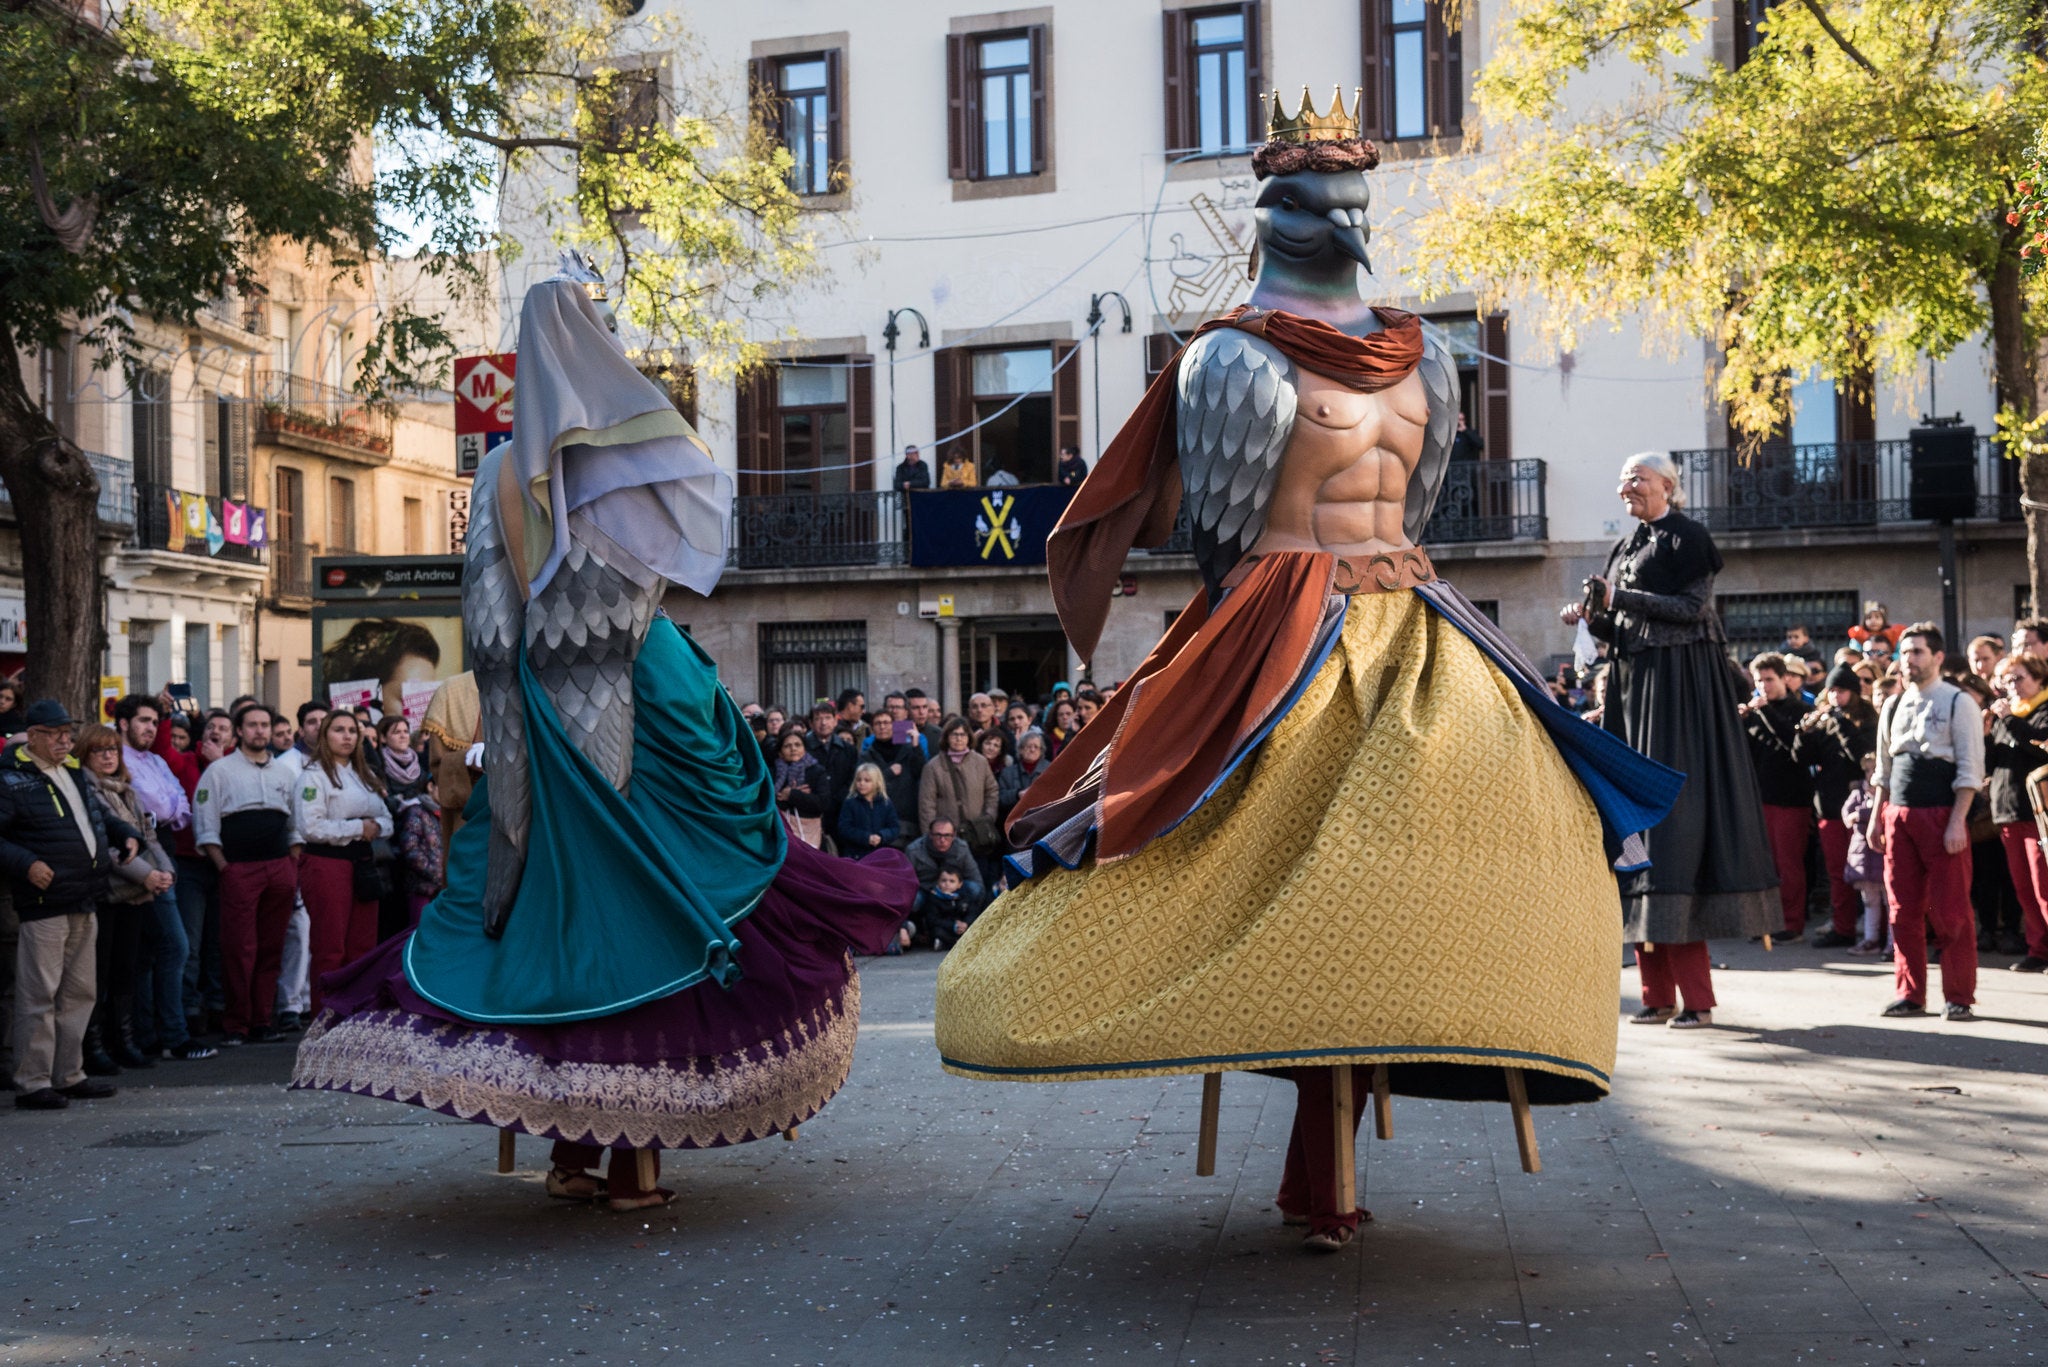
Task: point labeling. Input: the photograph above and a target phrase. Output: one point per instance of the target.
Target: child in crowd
(947, 924)
(419, 845)
(1864, 869)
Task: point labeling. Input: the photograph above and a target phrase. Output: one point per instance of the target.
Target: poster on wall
(352, 694)
(385, 653)
(414, 695)
(113, 687)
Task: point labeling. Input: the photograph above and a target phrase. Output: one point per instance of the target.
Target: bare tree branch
(1821, 17)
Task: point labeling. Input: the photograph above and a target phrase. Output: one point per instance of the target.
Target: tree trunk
(56, 512)
(2013, 365)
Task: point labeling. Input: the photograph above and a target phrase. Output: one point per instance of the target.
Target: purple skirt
(706, 1067)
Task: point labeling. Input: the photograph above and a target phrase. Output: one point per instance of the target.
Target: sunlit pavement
(1803, 1183)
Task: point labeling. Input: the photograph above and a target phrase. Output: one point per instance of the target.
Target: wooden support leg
(790, 1134)
(1212, 1105)
(505, 1150)
(643, 1169)
(1345, 1137)
(1382, 1103)
(1525, 1124)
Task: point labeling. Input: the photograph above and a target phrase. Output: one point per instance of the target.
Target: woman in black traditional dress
(1672, 693)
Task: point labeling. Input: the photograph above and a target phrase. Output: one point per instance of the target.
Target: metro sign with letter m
(483, 407)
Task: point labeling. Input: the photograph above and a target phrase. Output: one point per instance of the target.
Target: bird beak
(1351, 242)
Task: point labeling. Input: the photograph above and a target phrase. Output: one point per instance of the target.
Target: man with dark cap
(57, 845)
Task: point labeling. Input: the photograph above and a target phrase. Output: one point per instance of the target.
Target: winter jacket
(1012, 783)
(902, 787)
(1834, 743)
(840, 757)
(1864, 865)
(860, 818)
(37, 825)
(128, 887)
(2011, 752)
(419, 844)
(955, 792)
(1781, 778)
(928, 864)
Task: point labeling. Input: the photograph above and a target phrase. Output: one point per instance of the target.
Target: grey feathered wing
(1237, 404)
(493, 627)
(1440, 380)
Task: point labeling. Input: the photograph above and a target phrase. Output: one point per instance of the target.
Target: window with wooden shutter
(754, 422)
(1493, 386)
(1372, 68)
(1039, 132)
(238, 435)
(1176, 88)
(1066, 397)
(764, 106)
(860, 420)
(1411, 70)
(963, 121)
(210, 439)
(952, 398)
(835, 125)
(1159, 352)
(1444, 81)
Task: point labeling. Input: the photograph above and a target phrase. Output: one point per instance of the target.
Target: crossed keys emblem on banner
(997, 527)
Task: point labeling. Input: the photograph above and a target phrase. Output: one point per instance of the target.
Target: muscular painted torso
(1343, 481)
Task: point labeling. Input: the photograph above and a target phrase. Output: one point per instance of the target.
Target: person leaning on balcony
(958, 471)
(911, 472)
(1465, 443)
(1071, 469)
(1671, 693)
(242, 809)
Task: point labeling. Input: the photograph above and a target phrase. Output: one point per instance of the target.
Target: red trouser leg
(1844, 904)
(1789, 828)
(328, 887)
(2022, 840)
(240, 885)
(273, 919)
(1693, 969)
(1660, 989)
(622, 1175)
(1905, 888)
(1308, 1182)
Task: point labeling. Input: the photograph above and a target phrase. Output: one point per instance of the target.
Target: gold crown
(1308, 126)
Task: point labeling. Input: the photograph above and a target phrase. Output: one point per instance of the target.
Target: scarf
(790, 773)
(1133, 495)
(403, 771)
(2023, 707)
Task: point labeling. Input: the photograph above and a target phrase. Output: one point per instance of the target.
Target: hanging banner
(483, 407)
(234, 522)
(195, 516)
(259, 528)
(174, 529)
(1000, 526)
(216, 537)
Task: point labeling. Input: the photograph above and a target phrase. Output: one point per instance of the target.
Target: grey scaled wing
(1237, 404)
(493, 627)
(1440, 381)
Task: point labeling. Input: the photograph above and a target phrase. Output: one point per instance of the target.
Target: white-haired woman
(1672, 693)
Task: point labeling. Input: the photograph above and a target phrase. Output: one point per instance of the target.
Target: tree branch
(1827, 24)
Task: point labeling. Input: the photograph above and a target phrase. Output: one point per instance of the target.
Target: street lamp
(1094, 321)
(890, 332)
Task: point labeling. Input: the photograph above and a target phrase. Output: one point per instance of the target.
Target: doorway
(1023, 656)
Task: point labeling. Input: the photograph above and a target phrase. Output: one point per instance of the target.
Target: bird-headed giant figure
(1277, 457)
(603, 497)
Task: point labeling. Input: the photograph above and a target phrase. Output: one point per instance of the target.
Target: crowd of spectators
(1865, 865)
(902, 776)
(176, 881)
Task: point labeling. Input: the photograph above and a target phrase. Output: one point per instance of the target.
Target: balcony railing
(779, 531)
(292, 405)
(1835, 484)
(291, 569)
(158, 529)
(1490, 500)
(117, 491)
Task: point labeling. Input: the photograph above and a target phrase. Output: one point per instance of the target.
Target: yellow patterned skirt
(1406, 872)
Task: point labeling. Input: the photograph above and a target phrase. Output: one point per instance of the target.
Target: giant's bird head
(1312, 223)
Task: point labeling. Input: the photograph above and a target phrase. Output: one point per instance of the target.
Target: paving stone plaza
(1804, 1183)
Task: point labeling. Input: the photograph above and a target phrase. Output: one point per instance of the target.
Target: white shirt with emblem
(331, 811)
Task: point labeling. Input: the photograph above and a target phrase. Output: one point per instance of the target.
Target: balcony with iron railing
(1832, 484)
(160, 527)
(117, 492)
(1481, 501)
(310, 415)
